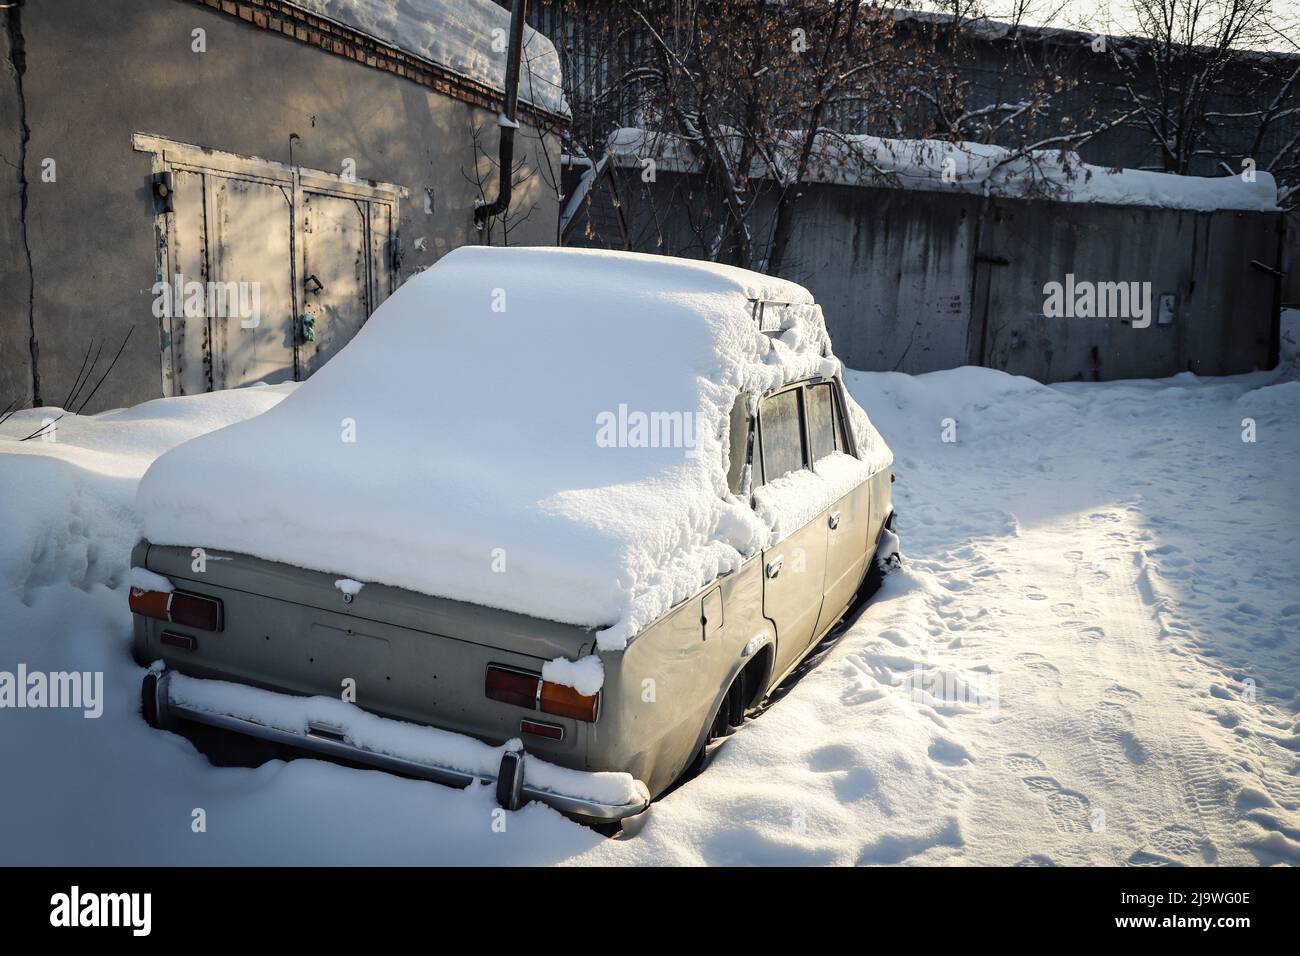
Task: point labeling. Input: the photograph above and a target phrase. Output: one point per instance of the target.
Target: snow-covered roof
(456, 35)
(540, 430)
(940, 166)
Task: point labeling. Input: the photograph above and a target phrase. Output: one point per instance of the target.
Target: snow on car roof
(538, 430)
(456, 35)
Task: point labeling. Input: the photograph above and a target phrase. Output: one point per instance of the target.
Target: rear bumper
(343, 731)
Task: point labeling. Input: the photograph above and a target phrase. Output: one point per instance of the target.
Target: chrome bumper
(163, 707)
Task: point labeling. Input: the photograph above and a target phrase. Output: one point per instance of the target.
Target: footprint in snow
(1070, 810)
(1175, 845)
(1040, 669)
(1025, 764)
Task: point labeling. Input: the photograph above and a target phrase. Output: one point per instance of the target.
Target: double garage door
(271, 269)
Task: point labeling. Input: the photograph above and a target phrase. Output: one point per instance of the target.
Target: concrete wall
(916, 281)
(100, 70)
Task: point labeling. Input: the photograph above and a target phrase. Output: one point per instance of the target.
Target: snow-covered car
(554, 519)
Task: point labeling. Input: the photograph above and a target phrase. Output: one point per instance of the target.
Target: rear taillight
(512, 687)
(567, 702)
(177, 607)
(525, 689)
(193, 610)
(155, 604)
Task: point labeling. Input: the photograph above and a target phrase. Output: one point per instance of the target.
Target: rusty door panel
(286, 265)
(336, 274)
(381, 253)
(250, 225)
(187, 258)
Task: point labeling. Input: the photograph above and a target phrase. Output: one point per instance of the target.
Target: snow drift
(454, 447)
(67, 500)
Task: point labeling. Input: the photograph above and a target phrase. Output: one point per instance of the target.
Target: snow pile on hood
(456, 35)
(539, 430)
(940, 166)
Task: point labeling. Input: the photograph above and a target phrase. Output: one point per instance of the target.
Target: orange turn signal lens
(153, 604)
(527, 689)
(567, 702)
(177, 607)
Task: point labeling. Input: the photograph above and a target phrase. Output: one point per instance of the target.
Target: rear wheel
(149, 700)
(730, 715)
(737, 703)
(882, 562)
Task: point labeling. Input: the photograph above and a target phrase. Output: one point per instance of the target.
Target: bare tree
(1200, 79)
(754, 95)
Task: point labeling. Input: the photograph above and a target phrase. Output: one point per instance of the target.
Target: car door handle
(774, 566)
(834, 520)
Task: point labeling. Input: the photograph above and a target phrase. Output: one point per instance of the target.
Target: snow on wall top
(456, 35)
(941, 166)
(539, 430)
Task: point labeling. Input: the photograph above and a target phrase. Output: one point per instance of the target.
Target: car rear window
(821, 421)
(782, 435)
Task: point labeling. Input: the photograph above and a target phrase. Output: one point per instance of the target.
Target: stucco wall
(15, 363)
(101, 70)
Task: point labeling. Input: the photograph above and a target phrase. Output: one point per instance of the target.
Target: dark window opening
(781, 427)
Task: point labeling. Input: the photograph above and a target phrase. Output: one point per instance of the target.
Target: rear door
(794, 569)
(850, 517)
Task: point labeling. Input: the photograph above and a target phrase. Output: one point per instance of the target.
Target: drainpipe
(506, 120)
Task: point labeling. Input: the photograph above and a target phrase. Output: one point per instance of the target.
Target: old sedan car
(553, 520)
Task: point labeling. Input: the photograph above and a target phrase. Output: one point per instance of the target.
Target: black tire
(877, 569)
(730, 715)
(149, 700)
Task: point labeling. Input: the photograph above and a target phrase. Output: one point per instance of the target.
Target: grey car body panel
(423, 659)
(412, 656)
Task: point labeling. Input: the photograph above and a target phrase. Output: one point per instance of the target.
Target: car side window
(821, 421)
(781, 430)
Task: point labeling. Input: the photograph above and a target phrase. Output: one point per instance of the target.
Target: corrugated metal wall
(915, 281)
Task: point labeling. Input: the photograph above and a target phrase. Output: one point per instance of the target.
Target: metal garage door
(273, 268)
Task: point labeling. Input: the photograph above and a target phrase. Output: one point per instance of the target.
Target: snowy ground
(1090, 658)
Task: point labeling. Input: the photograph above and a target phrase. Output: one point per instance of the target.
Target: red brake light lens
(192, 610)
(511, 687)
(539, 729)
(183, 641)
